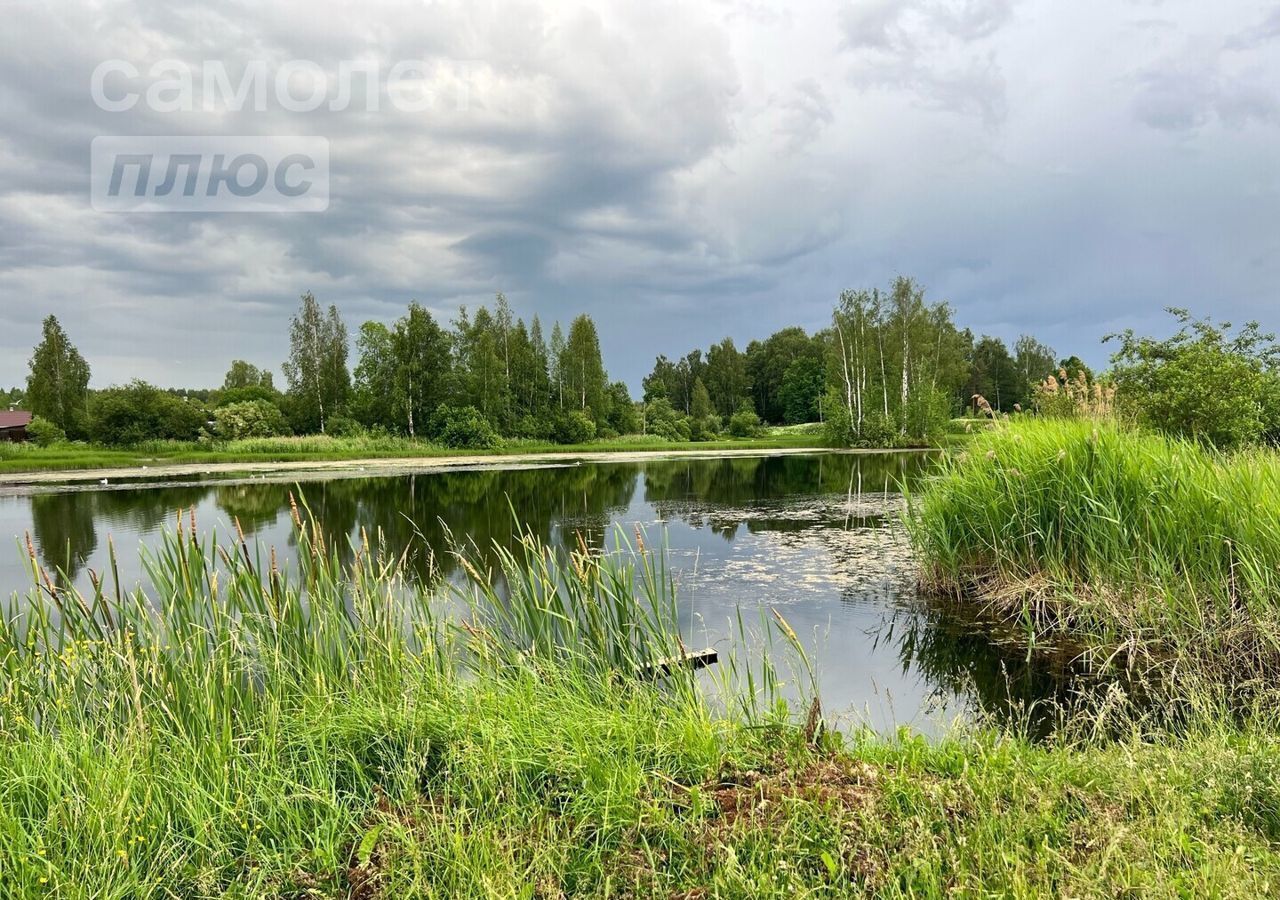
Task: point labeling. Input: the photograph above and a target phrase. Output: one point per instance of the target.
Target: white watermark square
(225, 173)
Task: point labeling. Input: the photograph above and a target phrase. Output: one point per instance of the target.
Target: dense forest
(890, 368)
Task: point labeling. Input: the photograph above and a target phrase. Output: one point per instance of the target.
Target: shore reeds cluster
(1130, 547)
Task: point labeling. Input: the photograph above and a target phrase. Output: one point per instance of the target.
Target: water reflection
(968, 658)
(717, 494)
(817, 536)
(63, 526)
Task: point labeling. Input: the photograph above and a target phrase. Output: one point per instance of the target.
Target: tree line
(487, 375)
(889, 368)
(484, 376)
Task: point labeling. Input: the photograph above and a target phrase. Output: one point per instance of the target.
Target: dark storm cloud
(523, 254)
(679, 171)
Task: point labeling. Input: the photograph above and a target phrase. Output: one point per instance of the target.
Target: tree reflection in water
(817, 535)
(963, 656)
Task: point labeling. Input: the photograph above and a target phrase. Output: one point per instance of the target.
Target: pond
(817, 536)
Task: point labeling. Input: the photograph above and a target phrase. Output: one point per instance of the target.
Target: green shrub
(229, 396)
(876, 430)
(532, 428)
(926, 415)
(44, 433)
(464, 428)
(744, 423)
(1202, 383)
(249, 419)
(343, 426)
(674, 430)
(139, 412)
(706, 428)
(835, 420)
(662, 420)
(573, 428)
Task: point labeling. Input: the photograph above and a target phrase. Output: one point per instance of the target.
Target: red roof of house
(14, 419)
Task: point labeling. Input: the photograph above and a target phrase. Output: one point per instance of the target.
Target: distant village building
(13, 425)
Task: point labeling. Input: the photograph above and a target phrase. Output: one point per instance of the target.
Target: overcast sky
(679, 171)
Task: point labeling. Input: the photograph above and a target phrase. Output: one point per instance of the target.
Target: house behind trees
(13, 425)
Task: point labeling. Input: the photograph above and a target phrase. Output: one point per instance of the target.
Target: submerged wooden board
(694, 659)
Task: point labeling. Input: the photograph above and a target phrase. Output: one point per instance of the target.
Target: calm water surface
(817, 536)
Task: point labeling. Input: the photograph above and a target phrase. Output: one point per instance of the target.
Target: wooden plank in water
(694, 659)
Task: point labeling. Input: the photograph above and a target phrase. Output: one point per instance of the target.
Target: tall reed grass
(140, 721)
(1131, 545)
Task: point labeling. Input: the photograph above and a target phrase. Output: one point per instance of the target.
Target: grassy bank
(17, 458)
(331, 732)
(1135, 548)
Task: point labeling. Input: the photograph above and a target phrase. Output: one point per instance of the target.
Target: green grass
(20, 458)
(236, 731)
(1132, 546)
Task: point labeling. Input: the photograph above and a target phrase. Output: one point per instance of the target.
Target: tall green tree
(802, 387)
(528, 378)
(374, 401)
(482, 369)
(767, 362)
(539, 374)
(895, 366)
(504, 332)
(726, 377)
(244, 374)
(1034, 362)
(404, 373)
(420, 350)
(58, 385)
(623, 417)
(994, 374)
(700, 407)
(688, 371)
(316, 370)
(582, 370)
(662, 382)
(555, 357)
(858, 342)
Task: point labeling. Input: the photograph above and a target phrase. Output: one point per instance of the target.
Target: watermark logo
(135, 173)
(297, 85)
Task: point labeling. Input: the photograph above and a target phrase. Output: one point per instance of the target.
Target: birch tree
(316, 370)
(58, 384)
